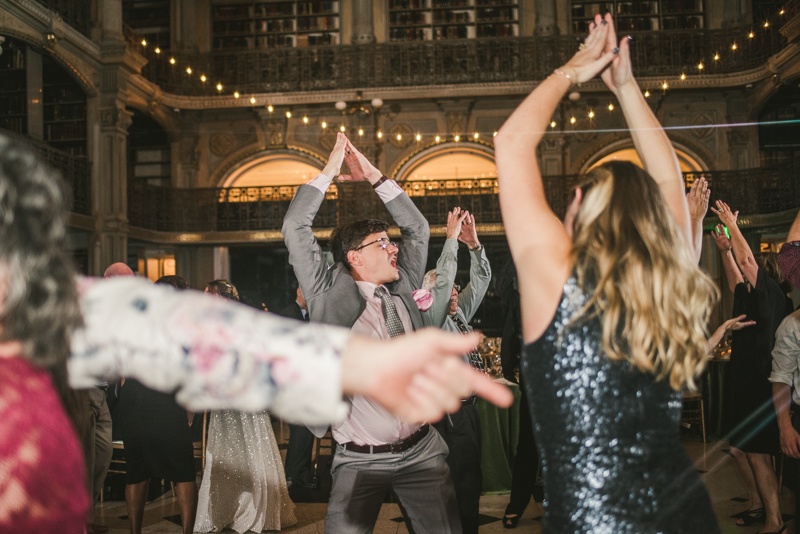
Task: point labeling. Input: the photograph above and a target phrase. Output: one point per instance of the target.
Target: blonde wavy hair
(651, 297)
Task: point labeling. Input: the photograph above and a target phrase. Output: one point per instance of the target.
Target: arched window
(450, 162)
(688, 163)
(273, 170)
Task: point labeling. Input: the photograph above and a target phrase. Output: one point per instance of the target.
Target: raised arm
(413, 255)
(536, 237)
(737, 323)
(651, 141)
(697, 198)
(732, 272)
(741, 250)
(480, 273)
(446, 269)
(305, 254)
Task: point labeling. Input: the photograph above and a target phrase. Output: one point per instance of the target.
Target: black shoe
(511, 522)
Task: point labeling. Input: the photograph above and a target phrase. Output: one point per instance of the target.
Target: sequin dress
(244, 487)
(608, 436)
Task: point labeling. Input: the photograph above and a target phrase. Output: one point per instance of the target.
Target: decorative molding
(221, 144)
(117, 117)
(702, 119)
(406, 135)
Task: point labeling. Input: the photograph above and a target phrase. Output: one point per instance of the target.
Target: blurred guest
(158, 444)
(243, 484)
(118, 269)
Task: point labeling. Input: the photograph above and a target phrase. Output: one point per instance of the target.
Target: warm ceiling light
(360, 131)
(324, 124)
(144, 42)
(419, 137)
(342, 128)
(646, 93)
(437, 138)
(305, 119)
(611, 107)
(202, 77)
(552, 124)
(399, 137)
(572, 120)
(733, 47)
(380, 134)
(716, 57)
(665, 86)
(476, 135)
(157, 50)
(270, 108)
(782, 12)
(683, 76)
(750, 35)
(252, 100)
(700, 66)
(188, 70)
(591, 114)
(495, 133)
(236, 94)
(172, 60)
(457, 138)
(288, 114)
(219, 87)
(766, 24)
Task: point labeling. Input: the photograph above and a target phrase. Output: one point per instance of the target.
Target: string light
(494, 134)
(750, 35)
(144, 42)
(270, 108)
(552, 125)
(591, 114)
(766, 24)
(457, 138)
(252, 100)
(324, 125)
(360, 131)
(172, 61)
(572, 120)
(188, 70)
(419, 137)
(399, 137)
(380, 134)
(202, 77)
(157, 50)
(611, 107)
(700, 66)
(733, 47)
(305, 119)
(782, 12)
(288, 114)
(219, 87)
(716, 57)
(342, 128)
(646, 93)
(683, 76)
(437, 138)
(476, 135)
(665, 86)
(236, 94)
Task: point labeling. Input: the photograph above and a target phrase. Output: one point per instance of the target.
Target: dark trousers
(462, 433)
(526, 462)
(298, 455)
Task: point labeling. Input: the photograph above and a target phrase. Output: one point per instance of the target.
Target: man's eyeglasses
(385, 243)
(457, 288)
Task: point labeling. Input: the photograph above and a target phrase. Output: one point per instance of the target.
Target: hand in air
(455, 219)
(419, 376)
(619, 72)
(334, 165)
(469, 235)
(726, 216)
(720, 238)
(361, 170)
(592, 58)
(737, 323)
(697, 197)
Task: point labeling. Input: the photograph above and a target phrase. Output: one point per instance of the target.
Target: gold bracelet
(574, 82)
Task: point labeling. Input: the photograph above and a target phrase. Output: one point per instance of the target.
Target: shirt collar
(367, 289)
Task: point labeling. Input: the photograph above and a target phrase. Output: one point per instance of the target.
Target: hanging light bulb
(552, 124)
(733, 47)
(219, 87)
(611, 107)
(457, 138)
(202, 77)
(172, 61)
(236, 94)
(360, 131)
(665, 86)
(782, 12)
(646, 93)
(437, 138)
(495, 133)
(700, 66)
(716, 57)
(342, 128)
(591, 114)
(419, 137)
(683, 76)
(476, 135)
(766, 24)
(305, 119)
(572, 120)
(188, 70)
(288, 114)
(270, 108)
(157, 50)
(380, 134)
(750, 35)
(324, 125)
(144, 42)
(252, 100)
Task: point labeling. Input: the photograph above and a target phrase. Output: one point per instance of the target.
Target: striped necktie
(393, 323)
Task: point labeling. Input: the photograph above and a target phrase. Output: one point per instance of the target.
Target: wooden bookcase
(64, 110)
(150, 19)
(641, 15)
(425, 20)
(13, 87)
(149, 152)
(274, 24)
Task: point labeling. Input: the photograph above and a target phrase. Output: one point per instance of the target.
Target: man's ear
(353, 258)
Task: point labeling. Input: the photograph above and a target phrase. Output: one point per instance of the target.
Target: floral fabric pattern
(212, 352)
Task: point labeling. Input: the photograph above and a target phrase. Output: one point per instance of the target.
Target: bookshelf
(149, 152)
(641, 15)
(150, 19)
(425, 20)
(64, 110)
(13, 87)
(274, 24)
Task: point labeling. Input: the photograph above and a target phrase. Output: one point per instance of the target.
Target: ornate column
(551, 154)
(363, 32)
(546, 20)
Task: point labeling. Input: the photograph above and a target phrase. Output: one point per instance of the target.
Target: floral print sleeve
(213, 353)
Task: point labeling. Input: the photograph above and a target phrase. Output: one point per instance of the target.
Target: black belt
(397, 446)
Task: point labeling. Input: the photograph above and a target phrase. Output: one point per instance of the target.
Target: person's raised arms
(651, 141)
(697, 198)
(741, 250)
(536, 237)
(361, 170)
(737, 323)
(419, 376)
(732, 272)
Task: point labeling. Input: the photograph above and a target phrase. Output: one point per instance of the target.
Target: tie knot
(380, 292)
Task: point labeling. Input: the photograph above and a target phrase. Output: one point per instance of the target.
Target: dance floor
(712, 460)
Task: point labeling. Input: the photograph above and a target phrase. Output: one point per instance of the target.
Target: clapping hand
(334, 165)
(361, 170)
(593, 57)
(619, 71)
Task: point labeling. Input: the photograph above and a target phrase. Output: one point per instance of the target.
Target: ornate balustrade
(430, 63)
(75, 170)
(76, 13)
(751, 191)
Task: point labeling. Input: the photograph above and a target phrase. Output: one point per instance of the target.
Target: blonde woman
(614, 310)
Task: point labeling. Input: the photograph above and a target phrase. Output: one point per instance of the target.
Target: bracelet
(574, 82)
(379, 182)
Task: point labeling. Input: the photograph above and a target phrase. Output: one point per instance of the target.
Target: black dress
(156, 435)
(608, 436)
(755, 427)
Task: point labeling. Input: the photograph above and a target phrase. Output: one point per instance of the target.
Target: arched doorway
(688, 162)
(272, 170)
(449, 161)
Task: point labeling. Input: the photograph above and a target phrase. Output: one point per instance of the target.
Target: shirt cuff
(388, 191)
(451, 246)
(780, 378)
(321, 182)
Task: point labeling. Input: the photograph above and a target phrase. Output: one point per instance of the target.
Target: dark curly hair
(223, 288)
(348, 236)
(39, 301)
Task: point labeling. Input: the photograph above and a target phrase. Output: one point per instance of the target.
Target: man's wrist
(377, 183)
(375, 176)
(475, 248)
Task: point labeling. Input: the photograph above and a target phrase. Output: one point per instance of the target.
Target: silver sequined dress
(608, 435)
(244, 487)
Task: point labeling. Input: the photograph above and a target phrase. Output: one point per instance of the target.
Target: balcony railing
(751, 191)
(75, 170)
(76, 13)
(516, 59)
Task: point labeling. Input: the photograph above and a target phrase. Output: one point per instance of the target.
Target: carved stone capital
(117, 117)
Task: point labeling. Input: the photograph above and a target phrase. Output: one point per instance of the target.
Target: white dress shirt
(387, 191)
(367, 423)
(786, 355)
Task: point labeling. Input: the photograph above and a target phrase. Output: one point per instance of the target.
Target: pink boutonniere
(423, 298)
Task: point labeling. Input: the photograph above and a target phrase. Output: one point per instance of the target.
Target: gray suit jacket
(331, 294)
